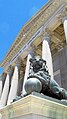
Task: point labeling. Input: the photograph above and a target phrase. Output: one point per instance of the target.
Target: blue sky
(13, 15)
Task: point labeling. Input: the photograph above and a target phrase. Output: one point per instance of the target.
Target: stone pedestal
(33, 107)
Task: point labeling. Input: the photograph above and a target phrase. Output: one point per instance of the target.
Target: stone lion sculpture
(40, 81)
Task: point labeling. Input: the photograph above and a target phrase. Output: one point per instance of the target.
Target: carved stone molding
(33, 25)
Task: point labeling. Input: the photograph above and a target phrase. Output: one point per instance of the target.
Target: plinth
(34, 107)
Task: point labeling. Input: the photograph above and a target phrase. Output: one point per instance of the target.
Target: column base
(35, 106)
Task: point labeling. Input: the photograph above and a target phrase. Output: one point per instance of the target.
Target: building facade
(44, 35)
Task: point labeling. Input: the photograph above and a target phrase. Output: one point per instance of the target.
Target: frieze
(41, 18)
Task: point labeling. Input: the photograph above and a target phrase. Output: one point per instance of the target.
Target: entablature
(33, 31)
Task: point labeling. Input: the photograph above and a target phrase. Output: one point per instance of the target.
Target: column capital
(32, 50)
(18, 62)
(9, 70)
(2, 76)
(64, 18)
(47, 35)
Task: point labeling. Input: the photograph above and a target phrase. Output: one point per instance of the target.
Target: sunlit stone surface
(14, 86)
(5, 92)
(65, 27)
(52, 49)
(46, 54)
(0, 88)
(26, 73)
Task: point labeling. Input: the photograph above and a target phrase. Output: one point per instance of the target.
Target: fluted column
(65, 27)
(26, 73)
(2, 81)
(5, 92)
(0, 116)
(46, 54)
(14, 85)
(0, 88)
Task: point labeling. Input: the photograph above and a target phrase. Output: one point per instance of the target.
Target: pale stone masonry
(45, 35)
(32, 107)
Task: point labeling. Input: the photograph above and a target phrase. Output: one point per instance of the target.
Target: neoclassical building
(45, 34)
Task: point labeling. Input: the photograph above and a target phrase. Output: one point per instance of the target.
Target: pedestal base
(34, 107)
(33, 116)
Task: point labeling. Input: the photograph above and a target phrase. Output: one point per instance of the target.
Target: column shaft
(14, 86)
(26, 73)
(0, 116)
(65, 27)
(0, 88)
(5, 92)
(46, 54)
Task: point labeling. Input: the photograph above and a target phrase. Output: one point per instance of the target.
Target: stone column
(0, 87)
(5, 92)
(65, 27)
(2, 81)
(46, 54)
(26, 73)
(0, 116)
(14, 85)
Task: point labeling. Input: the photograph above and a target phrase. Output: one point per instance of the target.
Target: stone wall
(60, 67)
